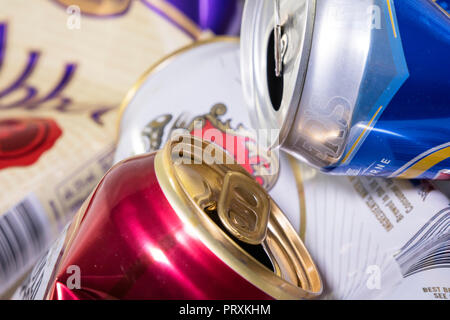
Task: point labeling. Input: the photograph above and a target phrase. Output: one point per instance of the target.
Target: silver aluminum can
(350, 84)
(359, 231)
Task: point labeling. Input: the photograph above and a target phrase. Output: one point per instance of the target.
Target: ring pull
(244, 208)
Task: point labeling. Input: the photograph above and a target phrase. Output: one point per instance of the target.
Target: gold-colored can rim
(158, 66)
(193, 188)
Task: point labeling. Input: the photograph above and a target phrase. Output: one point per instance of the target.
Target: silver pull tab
(279, 45)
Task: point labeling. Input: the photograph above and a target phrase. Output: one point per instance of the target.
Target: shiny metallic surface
(335, 71)
(244, 208)
(191, 189)
(373, 99)
(216, 80)
(132, 245)
(148, 115)
(143, 234)
(296, 18)
(278, 44)
(333, 68)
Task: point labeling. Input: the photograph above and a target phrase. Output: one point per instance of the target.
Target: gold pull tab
(244, 208)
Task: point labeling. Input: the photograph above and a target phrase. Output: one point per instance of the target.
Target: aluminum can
(355, 229)
(175, 225)
(206, 79)
(65, 67)
(359, 231)
(354, 87)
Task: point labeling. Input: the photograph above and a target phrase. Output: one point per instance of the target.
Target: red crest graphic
(23, 141)
(238, 142)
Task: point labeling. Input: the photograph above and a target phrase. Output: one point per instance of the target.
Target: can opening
(256, 251)
(204, 184)
(207, 190)
(275, 84)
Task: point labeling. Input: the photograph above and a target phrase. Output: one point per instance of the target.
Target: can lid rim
(131, 93)
(279, 229)
(253, 70)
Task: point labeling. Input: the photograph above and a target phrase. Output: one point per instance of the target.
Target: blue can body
(409, 137)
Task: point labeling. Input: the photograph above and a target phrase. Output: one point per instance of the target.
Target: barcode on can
(36, 285)
(24, 235)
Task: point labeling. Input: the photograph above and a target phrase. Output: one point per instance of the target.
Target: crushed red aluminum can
(360, 231)
(167, 225)
(62, 77)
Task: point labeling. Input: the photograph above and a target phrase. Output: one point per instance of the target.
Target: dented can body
(374, 223)
(162, 226)
(364, 88)
(158, 228)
